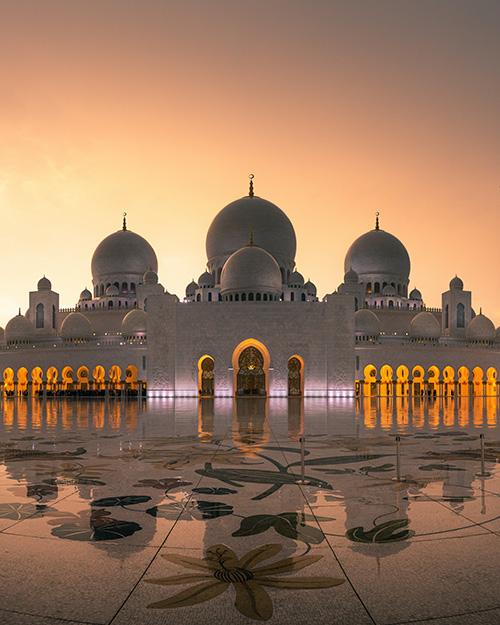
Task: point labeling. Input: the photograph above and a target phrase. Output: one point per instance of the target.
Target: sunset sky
(163, 108)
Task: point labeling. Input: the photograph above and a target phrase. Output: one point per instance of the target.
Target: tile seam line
(351, 584)
(53, 618)
(446, 616)
(158, 549)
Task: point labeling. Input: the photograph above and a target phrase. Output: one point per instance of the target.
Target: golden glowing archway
(82, 377)
(417, 375)
(295, 376)
(22, 381)
(131, 377)
(433, 380)
(491, 382)
(115, 375)
(370, 380)
(52, 375)
(463, 381)
(36, 380)
(67, 379)
(386, 379)
(449, 381)
(206, 376)
(99, 376)
(266, 361)
(477, 381)
(8, 381)
(402, 380)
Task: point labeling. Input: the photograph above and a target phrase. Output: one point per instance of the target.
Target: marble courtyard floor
(192, 512)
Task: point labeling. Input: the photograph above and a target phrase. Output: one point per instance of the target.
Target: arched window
(124, 287)
(369, 288)
(40, 314)
(258, 297)
(250, 297)
(460, 316)
(303, 297)
(292, 296)
(391, 304)
(117, 284)
(377, 287)
(243, 297)
(265, 297)
(220, 297)
(446, 316)
(210, 297)
(132, 287)
(53, 316)
(237, 297)
(110, 304)
(102, 290)
(198, 297)
(356, 306)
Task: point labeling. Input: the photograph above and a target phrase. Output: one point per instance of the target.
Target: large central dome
(251, 215)
(123, 254)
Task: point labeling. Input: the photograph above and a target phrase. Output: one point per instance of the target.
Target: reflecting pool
(379, 510)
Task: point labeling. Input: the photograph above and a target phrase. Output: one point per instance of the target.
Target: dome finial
(377, 227)
(124, 221)
(250, 190)
(250, 238)
(19, 313)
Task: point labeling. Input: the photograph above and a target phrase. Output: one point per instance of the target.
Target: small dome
(251, 269)
(480, 329)
(296, 279)
(310, 288)
(456, 284)
(122, 254)
(19, 329)
(85, 295)
(366, 322)
(112, 290)
(191, 289)
(76, 326)
(150, 277)
(134, 323)
(351, 277)
(415, 294)
(206, 280)
(388, 290)
(231, 227)
(425, 326)
(44, 284)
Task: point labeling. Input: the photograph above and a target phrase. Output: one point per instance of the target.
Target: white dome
(232, 226)
(378, 253)
(112, 291)
(415, 294)
(251, 269)
(150, 277)
(425, 326)
(123, 254)
(85, 295)
(19, 329)
(44, 284)
(366, 322)
(296, 279)
(76, 326)
(480, 329)
(134, 323)
(191, 288)
(206, 280)
(456, 284)
(310, 288)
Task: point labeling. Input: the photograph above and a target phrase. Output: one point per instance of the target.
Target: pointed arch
(257, 351)
(206, 376)
(295, 376)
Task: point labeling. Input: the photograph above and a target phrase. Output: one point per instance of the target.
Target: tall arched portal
(295, 376)
(251, 377)
(206, 376)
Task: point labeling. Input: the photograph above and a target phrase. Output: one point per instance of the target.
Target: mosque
(250, 325)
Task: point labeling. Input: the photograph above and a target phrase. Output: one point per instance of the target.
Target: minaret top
(250, 190)
(124, 227)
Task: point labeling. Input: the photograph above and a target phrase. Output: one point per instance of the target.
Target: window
(391, 304)
(265, 297)
(210, 297)
(124, 287)
(243, 297)
(460, 316)
(258, 297)
(40, 314)
(377, 287)
(369, 288)
(250, 297)
(53, 316)
(132, 287)
(446, 316)
(303, 297)
(237, 297)
(292, 296)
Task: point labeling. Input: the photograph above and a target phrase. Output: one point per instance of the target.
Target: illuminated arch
(295, 375)
(115, 375)
(264, 352)
(402, 380)
(8, 381)
(206, 376)
(449, 381)
(491, 381)
(477, 381)
(370, 380)
(132, 377)
(99, 377)
(52, 375)
(463, 381)
(22, 381)
(82, 378)
(433, 380)
(37, 380)
(417, 374)
(67, 379)
(386, 379)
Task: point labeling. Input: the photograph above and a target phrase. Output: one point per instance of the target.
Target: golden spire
(250, 238)
(250, 191)
(124, 221)
(377, 226)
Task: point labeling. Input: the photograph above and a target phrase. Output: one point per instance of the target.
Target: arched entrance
(206, 376)
(251, 378)
(295, 376)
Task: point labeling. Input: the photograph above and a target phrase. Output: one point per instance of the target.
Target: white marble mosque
(251, 324)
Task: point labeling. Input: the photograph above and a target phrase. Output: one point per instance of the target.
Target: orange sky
(162, 108)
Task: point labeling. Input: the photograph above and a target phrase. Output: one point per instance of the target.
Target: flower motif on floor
(221, 568)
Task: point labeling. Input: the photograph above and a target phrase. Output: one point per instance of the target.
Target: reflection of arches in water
(37, 380)
(22, 381)
(251, 371)
(370, 377)
(67, 379)
(386, 377)
(250, 425)
(206, 419)
(206, 376)
(491, 381)
(477, 381)
(295, 376)
(295, 418)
